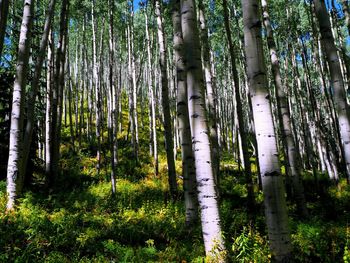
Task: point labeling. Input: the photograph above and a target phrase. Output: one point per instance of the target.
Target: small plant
(346, 256)
(249, 246)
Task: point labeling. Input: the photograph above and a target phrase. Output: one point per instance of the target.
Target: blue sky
(136, 4)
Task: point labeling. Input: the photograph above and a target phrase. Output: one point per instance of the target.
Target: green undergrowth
(79, 220)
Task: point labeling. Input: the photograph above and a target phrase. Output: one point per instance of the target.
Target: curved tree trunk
(17, 113)
(272, 182)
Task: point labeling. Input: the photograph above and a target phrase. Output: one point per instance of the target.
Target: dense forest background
(174, 131)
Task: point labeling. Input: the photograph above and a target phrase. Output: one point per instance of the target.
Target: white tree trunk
(28, 132)
(291, 154)
(97, 89)
(188, 170)
(16, 131)
(152, 109)
(339, 96)
(48, 124)
(210, 91)
(272, 182)
(207, 196)
(112, 91)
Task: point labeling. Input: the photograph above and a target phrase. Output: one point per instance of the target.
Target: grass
(81, 221)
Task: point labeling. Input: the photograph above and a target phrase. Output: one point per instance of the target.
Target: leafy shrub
(316, 241)
(249, 246)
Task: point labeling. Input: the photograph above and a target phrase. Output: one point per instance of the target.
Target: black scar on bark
(274, 173)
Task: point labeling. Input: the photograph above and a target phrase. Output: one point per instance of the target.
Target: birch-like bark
(339, 96)
(272, 182)
(113, 114)
(152, 106)
(70, 111)
(97, 89)
(4, 9)
(293, 163)
(211, 92)
(165, 103)
(28, 132)
(188, 170)
(17, 112)
(207, 196)
(48, 123)
(134, 85)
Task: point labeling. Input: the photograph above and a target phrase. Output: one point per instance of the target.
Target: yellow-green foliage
(81, 221)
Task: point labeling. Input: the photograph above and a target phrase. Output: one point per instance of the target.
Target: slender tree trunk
(17, 113)
(165, 103)
(211, 92)
(134, 86)
(28, 132)
(293, 163)
(97, 90)
(272, 182)
(207, 196)
(48, 122)
(70, 111)
(152, 109)
(188, 170)
(4, 9)
(57, 95)
(240, 114)
(113, 114)
(339, 96)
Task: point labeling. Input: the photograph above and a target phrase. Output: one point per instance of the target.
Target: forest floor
(81, 221)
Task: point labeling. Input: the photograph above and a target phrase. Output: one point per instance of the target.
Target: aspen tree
(134, 86)
(239, 108)
(188, 170)
(113, 114)
(272, 182)
(28, 131)
(48, 113)
(210, 91)
(165, 102)
(152, 106)
(96, 82)
(56, 106)
(17, 112)
(207, 196)
(293, 163)
(339, 96)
